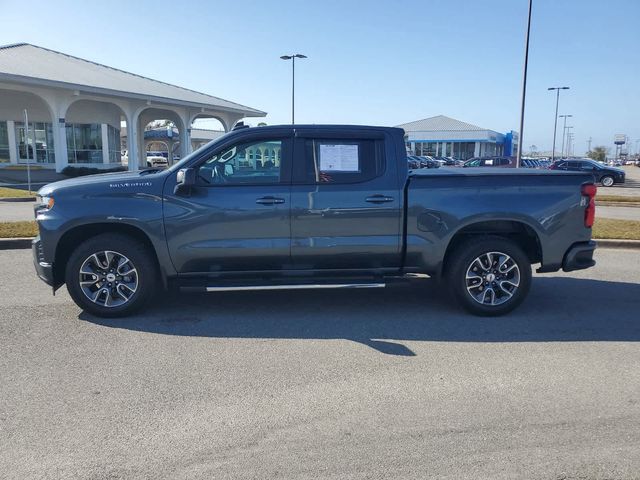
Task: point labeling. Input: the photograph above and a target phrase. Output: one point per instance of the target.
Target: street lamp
(555, 125)
(293, 81)
(563, 130)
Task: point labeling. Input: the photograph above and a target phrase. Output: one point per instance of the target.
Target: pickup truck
(308, 206)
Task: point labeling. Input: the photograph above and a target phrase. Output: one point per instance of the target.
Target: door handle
(379, 199)
(269, 200)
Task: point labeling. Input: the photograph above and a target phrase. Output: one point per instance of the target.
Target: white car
(153, 160)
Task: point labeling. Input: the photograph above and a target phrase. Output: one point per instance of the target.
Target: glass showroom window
(84, 143)
(4, 143)
(40, 133)
(114, 144)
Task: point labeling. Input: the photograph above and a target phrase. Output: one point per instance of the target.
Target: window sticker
(339, 158)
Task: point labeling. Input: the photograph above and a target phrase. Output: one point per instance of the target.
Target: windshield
(195, 153)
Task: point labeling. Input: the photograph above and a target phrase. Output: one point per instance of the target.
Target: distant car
(606, 176)
(429, 162)
(496, 161)
(156, 161)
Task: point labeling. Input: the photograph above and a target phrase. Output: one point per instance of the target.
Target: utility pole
(555, 119)
(524, 89)
(563, 132)
(589, 145)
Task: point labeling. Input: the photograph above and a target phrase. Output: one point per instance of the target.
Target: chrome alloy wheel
(108, 278)
(607, 181)
(492, 278)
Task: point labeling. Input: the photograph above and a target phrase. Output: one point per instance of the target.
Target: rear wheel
(489, 276)
(111, 275)
(607, 181)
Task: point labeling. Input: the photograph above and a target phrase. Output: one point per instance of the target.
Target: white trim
(296, 287)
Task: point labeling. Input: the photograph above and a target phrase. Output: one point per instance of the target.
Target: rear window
(342, 161)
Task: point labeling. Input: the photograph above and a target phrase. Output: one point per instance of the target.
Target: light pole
(563, 130)
(524, 88)
(293, 82)
(555, 124)
(569, 139)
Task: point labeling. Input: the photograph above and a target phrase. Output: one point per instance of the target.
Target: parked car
(429, 162)
(606, 176)
(495, 161)
(413, 162)
(155, 160)
(339, 210)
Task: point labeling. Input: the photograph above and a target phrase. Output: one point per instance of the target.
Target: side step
(295, 286)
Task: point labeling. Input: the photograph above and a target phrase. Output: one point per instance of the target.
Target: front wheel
(489, 276)
(607, 181)
(111, 275)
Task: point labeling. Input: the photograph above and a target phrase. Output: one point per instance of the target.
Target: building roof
(440, 123)
(32, 64)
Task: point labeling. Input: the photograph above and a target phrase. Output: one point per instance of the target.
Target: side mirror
(185, 179)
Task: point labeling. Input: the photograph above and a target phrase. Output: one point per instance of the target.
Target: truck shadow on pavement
(558, 309)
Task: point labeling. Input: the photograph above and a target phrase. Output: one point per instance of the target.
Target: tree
(598, 153)
(533, 150)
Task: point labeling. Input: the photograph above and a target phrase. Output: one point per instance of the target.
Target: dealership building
(76, 109)
(442, 136)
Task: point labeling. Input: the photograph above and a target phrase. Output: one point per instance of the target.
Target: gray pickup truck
(307, 206)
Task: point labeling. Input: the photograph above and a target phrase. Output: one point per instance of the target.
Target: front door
(236, 218)
(346, 203)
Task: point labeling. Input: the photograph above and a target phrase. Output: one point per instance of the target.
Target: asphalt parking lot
(393, 383)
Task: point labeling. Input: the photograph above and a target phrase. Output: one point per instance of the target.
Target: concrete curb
(617, 204)
(18, 199)
(614, 243)
(24, 243)
(15, 243)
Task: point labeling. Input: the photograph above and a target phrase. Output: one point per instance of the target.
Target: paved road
(620, 213)
(390, 384)
(16, 211)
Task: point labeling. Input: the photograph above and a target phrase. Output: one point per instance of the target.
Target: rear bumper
(579, 256)
(44, 270)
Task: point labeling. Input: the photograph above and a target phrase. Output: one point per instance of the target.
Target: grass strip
(18, 229)
(617, 198)
(14, 193)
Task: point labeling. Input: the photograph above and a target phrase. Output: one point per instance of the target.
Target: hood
(106, 179)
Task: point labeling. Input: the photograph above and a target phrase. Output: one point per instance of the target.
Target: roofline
(23, 44)
(22, 79)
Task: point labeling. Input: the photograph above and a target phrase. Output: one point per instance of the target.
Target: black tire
(141, 261)
(462, 260)
(607, 181)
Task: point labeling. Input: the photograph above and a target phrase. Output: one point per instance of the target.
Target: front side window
(342, 161)
(252, 163)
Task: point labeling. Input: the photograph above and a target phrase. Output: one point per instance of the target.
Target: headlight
(45, 202)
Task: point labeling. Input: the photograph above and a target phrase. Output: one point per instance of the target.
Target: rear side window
(342, 161)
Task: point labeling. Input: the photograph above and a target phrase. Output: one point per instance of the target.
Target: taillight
(589, 190)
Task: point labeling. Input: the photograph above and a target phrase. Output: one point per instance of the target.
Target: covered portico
(75, 109)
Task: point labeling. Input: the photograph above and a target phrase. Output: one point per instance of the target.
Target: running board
(295, 286)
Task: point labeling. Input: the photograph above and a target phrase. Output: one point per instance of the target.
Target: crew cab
(308, 206)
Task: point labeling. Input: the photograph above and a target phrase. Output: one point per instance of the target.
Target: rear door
(237, 216)
(346, 199)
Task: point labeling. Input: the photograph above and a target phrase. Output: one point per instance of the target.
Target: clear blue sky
(381, 63)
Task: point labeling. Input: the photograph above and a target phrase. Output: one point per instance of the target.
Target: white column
(185, 142)
(476, 151)
(60, 144)
(13, 146)
(132, 142)
(105, 144)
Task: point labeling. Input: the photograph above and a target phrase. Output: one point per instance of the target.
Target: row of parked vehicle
(603, 174)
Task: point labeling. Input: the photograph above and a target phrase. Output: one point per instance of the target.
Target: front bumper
(579, 256)
(44, 270)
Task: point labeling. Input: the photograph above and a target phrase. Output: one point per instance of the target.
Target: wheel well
(517, 232)
(77, 235)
